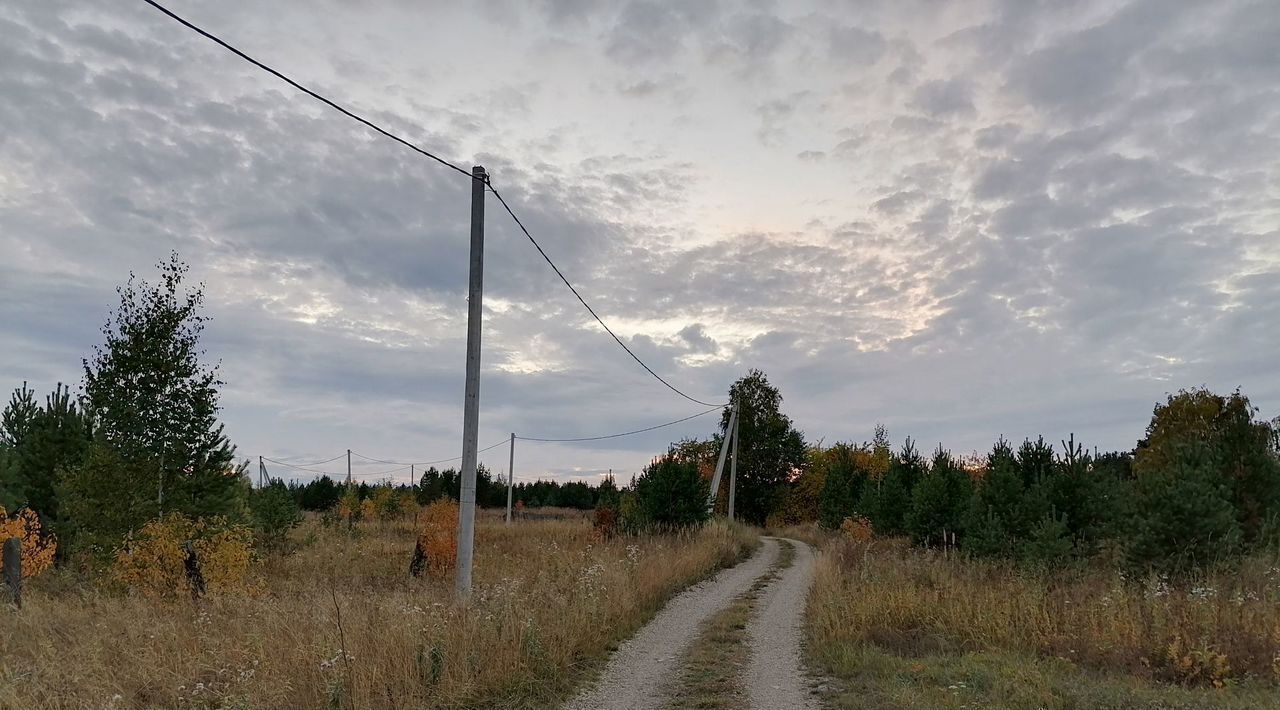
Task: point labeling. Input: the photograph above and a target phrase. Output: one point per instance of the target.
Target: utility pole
(724, 450)
(348, 467)
(471, 398)
(262, 473)
(511, 470)
(733, 465)
(413, 477)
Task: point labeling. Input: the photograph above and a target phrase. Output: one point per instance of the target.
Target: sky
(963, 220)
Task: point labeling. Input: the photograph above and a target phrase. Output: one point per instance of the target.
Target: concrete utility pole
(471, 399)
(733, 465)
(511, 470)
(262, 473)
(348, 467)
(724, 450)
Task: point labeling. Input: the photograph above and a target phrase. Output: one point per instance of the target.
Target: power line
(587, 306)
(334, 105)
(301, 465)
(625, 433)
(328, 102)
(426, 463)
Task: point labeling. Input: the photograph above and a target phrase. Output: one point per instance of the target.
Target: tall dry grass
(549, 601)
(1210, 631)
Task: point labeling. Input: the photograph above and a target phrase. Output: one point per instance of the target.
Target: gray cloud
(1035, 225)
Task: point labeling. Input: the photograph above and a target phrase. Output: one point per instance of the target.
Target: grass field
(899, 627)
(339, 623)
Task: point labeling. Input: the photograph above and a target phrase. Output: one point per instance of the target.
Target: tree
(102, 500)
(56, 439)
(671, 494)
(771, 450)
(939, 500)
(888, 502)
(847, 470)
(1185, 518)
(1243, 449)
(156, 404)
(993, 524)
(275, 513)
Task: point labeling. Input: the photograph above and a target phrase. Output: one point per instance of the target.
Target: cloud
(1026, 220)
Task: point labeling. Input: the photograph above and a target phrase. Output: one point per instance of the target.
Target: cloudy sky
(961, 219)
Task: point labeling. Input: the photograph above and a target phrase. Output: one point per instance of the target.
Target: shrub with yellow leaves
(152, 561)
(37, 547)
(857, 529)
(437, 548)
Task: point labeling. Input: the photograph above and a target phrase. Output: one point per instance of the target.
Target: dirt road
(775, 678)
(642, 672)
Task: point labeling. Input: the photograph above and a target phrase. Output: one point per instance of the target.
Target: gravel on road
(641, 671)
(775, 677)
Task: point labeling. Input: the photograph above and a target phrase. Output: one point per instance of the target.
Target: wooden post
(13, 569)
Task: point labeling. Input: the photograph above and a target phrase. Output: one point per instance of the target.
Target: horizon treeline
(324, 493)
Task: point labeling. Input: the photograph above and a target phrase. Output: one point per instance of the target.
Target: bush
(436, 551)
(152, 562)
(38, 547)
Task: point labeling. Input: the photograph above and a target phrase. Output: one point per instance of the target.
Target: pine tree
(671, 494)
(1185, 518)
(939, 500)
(993, 524)
(888, 503)
(275, 513)
(842, 488)
(156, 405)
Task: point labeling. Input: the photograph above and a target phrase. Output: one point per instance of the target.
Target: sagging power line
(484, 177)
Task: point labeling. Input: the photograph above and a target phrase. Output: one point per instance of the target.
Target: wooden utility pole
(733, 465)
(511, 469)
(471, 397)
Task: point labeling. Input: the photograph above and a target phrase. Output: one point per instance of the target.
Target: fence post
(13, 569)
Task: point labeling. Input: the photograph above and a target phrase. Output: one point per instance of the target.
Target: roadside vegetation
(338, 622)
(899, 626)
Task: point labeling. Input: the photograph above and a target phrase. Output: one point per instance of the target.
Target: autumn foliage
(151, 561)
(437, 549)
(37, 547)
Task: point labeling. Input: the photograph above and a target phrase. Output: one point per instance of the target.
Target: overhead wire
(427, 463)
(412, 146)
(625, 433)
(586, 305)
(318, 97)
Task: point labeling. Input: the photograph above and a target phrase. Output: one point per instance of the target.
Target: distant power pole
(471, 398)
(733, 463)
(511, 470)
(262, 473)
(348, 467)
(724, 450)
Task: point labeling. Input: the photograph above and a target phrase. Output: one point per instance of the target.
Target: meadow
(893, 625)
(338, 622)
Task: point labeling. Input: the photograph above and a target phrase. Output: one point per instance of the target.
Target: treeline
(324, 493)
(1202, 487)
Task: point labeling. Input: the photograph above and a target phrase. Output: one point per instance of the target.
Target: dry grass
(886, 616)
(549, 603)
